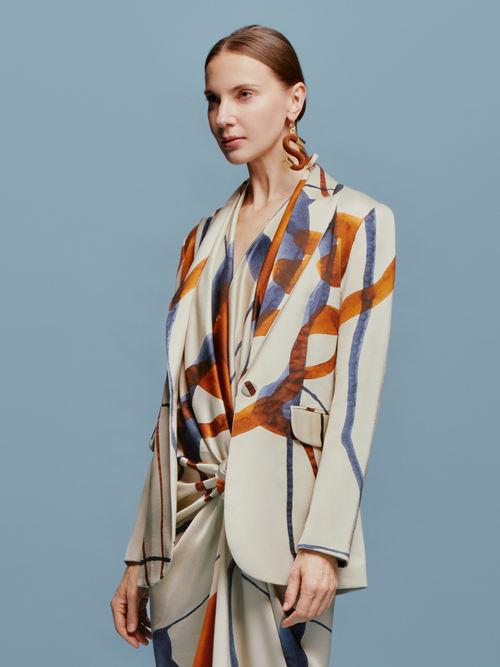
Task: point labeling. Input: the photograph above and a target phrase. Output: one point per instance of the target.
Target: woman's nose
(224, 115)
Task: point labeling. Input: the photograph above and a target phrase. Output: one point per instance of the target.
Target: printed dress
(206, 611)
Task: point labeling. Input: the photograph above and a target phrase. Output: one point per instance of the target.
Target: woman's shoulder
(359, 204)
(350, 202)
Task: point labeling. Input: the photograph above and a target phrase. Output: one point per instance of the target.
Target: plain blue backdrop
(106, 163)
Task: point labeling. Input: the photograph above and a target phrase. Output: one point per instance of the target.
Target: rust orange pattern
(367, 298)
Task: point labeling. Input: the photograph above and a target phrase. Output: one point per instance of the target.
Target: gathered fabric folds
(206, 611)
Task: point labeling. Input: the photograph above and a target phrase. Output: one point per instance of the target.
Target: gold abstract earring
(300, 154)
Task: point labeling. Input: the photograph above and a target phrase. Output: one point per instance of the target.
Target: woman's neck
(271, 180)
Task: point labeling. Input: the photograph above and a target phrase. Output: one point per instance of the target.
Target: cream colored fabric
(206, 611)
(320, 330)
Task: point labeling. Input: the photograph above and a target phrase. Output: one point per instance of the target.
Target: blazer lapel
(312, 209)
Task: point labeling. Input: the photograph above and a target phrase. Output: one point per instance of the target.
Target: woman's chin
(234, 158)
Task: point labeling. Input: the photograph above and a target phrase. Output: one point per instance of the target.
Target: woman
(276, 347)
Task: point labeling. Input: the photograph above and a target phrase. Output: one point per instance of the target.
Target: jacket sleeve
(364, 324)
(134, 553)
(135, 549)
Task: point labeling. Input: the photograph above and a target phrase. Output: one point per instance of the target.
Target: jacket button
(248, 389)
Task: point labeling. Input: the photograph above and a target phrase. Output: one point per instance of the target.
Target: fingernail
(130, 628)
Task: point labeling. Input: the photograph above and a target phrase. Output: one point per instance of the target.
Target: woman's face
(249, 109)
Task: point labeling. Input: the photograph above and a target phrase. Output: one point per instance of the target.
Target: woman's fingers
(132, 608)
(303, 609)
(292, 590)
(133, 598)
(141, 634)
(119, 608)
(145, 631)
(318, 579)
(309, 605)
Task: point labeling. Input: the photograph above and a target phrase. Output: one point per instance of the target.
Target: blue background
(106, 163)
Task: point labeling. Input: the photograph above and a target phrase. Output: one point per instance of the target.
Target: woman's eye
(245, 93)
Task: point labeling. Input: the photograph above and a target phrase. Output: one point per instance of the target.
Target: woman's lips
(232, 141)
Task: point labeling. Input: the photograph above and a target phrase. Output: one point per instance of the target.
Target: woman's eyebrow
(238, 87)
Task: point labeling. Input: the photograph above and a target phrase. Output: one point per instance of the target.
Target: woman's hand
(316, 575)
(129, 607)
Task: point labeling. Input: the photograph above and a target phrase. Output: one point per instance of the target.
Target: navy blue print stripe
(254, 584)
(357, 344)
(338, 187)
(289, 494)
(205, 228)
(249, 310)
(316, 546)
(223, 275)
(322, 625)
(232, 649)
(308, 391)
(370, 229)
(315, 187)
(291, 643)
(162, 646)
(188, 614)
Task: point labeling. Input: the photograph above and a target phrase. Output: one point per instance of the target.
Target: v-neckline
(232, 232)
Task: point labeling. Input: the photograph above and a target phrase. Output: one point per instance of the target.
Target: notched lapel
(312, 213)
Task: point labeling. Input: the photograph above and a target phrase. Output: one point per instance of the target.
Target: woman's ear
(298, 94)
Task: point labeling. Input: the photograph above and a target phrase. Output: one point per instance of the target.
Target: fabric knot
(212, 483)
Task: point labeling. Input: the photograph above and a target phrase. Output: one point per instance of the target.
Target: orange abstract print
(205, 649)
(187, 254)
(368, 297)
(269, 262)
(188, 284)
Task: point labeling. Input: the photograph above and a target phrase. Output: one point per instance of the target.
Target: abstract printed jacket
(307, 402)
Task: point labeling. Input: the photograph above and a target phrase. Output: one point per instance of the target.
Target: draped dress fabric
(206, 611)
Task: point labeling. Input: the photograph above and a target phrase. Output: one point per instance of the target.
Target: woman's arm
(363, 338)
(130, 600)
(134, 549)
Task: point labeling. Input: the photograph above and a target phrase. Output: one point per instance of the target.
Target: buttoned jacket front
(307, 402)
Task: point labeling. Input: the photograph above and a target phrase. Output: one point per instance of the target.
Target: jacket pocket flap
(308, 425)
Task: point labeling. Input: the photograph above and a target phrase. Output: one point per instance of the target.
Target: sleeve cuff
(342, 556)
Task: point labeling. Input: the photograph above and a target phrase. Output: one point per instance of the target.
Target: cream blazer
(323, 340)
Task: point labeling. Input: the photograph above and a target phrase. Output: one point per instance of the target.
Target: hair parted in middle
(269, 47)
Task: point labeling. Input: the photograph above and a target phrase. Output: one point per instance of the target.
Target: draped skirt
(207, 612)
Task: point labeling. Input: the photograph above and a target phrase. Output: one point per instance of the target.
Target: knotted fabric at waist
(212, 482)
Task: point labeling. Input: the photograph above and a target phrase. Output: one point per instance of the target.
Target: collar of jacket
(316, 204)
